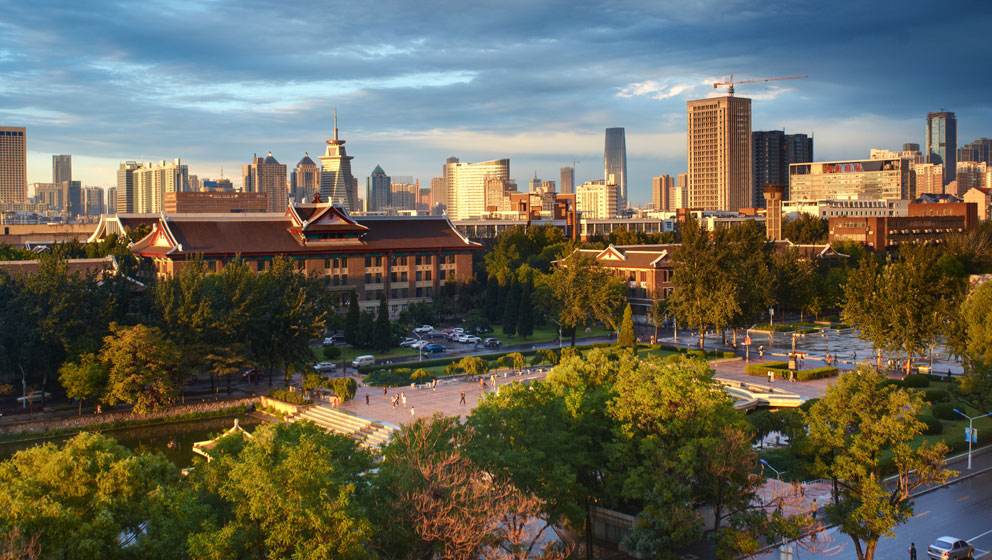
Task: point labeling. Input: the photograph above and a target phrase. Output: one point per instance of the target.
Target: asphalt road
(962, 510)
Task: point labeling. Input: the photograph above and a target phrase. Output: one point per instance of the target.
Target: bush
(934, 427)
(389, 377)
(761, 370)
(421, 375)
(816, 373)
(287, 396)
(944, 411)
(781, 368)
(936, 396)
(331, 353)
(916, 381)
(892, 383)
(807, 405)
(344, 387)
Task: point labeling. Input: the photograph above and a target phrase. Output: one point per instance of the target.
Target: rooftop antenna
(335, 123)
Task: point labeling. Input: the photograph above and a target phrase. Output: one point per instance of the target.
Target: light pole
(971, 430)
(778, 473)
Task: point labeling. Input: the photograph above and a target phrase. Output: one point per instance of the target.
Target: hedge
(936, 396)
(287, 396)
(816, 373)
(916, 381)
(761, 370)
(944, 411)
(934, 426)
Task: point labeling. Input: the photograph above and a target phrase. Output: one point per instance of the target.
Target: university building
(405, 259)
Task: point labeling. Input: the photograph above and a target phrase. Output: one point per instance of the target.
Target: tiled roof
(75, 266)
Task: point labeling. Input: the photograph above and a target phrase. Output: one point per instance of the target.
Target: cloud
(655, 90)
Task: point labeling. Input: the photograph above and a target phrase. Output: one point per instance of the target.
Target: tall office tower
(126, 201)
(798, 149)
(61, 168)
(467, 186)
(379, 190)
(111, 204)
(977, 150)
(681, 198)
(13, 164)
(942, 142)
(597, 200)
(567, 182)
(93, 201)
(927, 178)
(719, 148)
(662, 189)
(337, 185)
(424, 199)
(439, 195)
(403, 196)
(74, 194)
(151, 181)
(306, 179)
(267, 176)
(773, 195)
(534, 185)
(615, 163)
(772, 152)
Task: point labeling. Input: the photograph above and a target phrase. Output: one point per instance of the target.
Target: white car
(365, 360)
(321, 367)
(469, 339)
(329, 341)
(423, 329)
(458, 330)
(419, 344)
(408, 342)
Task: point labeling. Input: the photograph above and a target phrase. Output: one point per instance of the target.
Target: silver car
(950, 548)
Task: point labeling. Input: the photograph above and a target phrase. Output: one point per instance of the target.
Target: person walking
(461, 400)
(413, 412)
(385, 389)
(367, 401)
(912, 551)
(403, 398)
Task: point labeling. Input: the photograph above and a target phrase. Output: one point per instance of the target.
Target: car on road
(408, 342)
(419, 344)
(492, 343)
(469, 339)
(458, 330)
(423, 329)
(324, 367)
(454, 336)
(365, 360)
(950, 548)
(434, 348)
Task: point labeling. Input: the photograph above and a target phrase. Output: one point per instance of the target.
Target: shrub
(287, 396)
(807, 405)
(472, 365)
(816, 373)
(344, 387)
(934, 426)
(892, 383)
(421, 375)
(761, 369)
(331, 353)
(916, 381)
(944, 411)
(936, 396)
(389, 377)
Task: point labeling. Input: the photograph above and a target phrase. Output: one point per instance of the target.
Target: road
(962, 510)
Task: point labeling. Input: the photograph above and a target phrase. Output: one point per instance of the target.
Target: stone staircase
(368, 433)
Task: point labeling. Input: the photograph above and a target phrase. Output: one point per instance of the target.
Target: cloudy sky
(416, 81)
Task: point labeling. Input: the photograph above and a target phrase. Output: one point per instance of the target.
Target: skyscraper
(567, 183)
(13, 164)
(379, 190)
(719, 150)
(466, 184)
(597, 200)
(615, 163)
(151, 181)
(306, 179)
(662, 191)
(93, 201)
(267, 176)
(439, 195)
(681, 198)
(942, 142)
(772, 152)
(337, 185)
(61, 168)
(74, 190)
(978, 150)
(111, 205)
(126, 202)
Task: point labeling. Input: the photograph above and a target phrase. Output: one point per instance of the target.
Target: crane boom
(730, 83)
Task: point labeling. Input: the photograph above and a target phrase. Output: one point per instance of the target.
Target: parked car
(454, 336)
(950, 548)
(324, 367)
(458, 330)
(365, 360)
(419, 344)
(423, 329)
(470, 339)
(434, 348)
(492, 343)
(408, 342)
(333, 339)
(32, 397)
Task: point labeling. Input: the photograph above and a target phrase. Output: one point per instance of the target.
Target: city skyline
(409, 98)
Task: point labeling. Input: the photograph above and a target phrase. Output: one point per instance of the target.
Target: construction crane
(729, 84)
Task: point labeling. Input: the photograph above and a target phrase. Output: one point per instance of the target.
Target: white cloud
(655, 90)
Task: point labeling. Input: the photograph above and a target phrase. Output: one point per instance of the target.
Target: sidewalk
(735, 369)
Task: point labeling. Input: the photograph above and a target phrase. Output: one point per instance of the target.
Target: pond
(175, 441)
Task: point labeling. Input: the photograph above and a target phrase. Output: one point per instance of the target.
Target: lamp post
(971, 430)
(778, 473)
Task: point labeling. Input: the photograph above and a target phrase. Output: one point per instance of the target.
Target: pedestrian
(482, 383)
(912, 551)
(461, 400)
(367, 402)
(385, 389)
(403, 398)
(771, 376)
(413, 412)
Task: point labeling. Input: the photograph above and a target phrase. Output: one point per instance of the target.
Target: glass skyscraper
(615, 163)
(942, 142)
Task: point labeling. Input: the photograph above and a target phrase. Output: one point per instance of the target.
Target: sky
(414, 82)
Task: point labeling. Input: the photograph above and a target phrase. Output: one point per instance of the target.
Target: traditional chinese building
(405, 259)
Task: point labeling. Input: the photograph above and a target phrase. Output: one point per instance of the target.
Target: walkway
(735, 370)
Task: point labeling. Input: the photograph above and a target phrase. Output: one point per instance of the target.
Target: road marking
(921, 514)
(979, 536)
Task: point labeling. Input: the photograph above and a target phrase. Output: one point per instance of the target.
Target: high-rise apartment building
(74, 190)
(304, 180)
(942, 142)
(152, 180)
(977, 150)
(379, 190)
(111, 201)
(267, 176)
(13, 164)
(53, 196)
(772, 152)
(681, 198)
(93, 201)
(970, 174)
(615, 163)
(439, 195)
(403, 196)
(597, 200)
(61, 168)
(337, 184)
(466, 185)
(662, 191)
(126, 201)
(912, 153)
(567, 180)
(928, 178)
(719, 153)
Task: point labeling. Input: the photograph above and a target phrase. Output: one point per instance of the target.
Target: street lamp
(971, 430)
(778, 473)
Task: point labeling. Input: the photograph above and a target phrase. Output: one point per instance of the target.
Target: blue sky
(417, 81)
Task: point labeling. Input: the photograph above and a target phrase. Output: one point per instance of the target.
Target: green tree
(852, 428)
(525, 310)
(352, 319)
(382, 332)
(492, 300)
(626, 337)
(226, 362)
(584, 291)
(805, 230)
(85, 379)
(142, 366)
(511, 308)
(976, 319)
(185, 303)
(344, 388)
